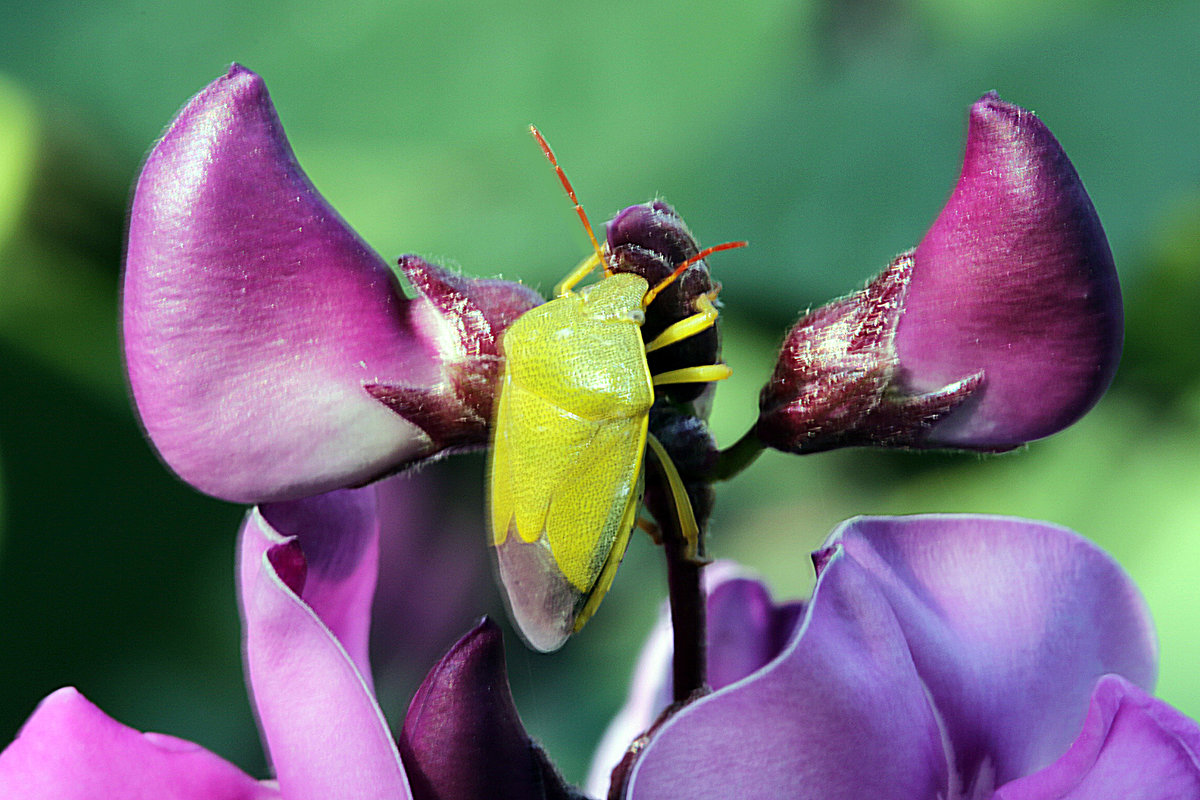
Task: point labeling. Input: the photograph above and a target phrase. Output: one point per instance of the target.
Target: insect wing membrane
(559, 508)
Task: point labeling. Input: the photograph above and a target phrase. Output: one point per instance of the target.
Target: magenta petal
(1015, 278)
(325, 734)
(1010, 623)
(1132, 747)
(70, 750)
(462, 737)
(841, 714)
(254, 316)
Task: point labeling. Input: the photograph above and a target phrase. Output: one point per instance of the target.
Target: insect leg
(576, 275)
(705, 373)
(650, 528)
(683, 506)
(702, 320)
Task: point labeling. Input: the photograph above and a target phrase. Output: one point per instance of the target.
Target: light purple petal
(649, 694)
(70, 750)
(463, 738)
(1015, 278)
(745, 632)
(324, 732)
(1132, 747)
(254, 316)
(840, 714)
(1010, 623)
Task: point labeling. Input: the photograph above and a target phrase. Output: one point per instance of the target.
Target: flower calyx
(836, 382)
(462, 319)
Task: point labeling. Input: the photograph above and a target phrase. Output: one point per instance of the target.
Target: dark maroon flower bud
(833, 383)
(463, 738)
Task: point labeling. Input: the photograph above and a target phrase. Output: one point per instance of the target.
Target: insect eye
(638, 316)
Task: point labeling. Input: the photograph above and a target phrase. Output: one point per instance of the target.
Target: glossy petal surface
(1014, 278)
(980, 639)
(1010, 623)
(840, 714)
(462, 737)
(70, 750)
(253, 315)
(324, 732)
(1132, 747)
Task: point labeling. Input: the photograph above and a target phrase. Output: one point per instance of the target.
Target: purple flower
(270, 351)
(1003, 325)
(939, 657)
(307, 578)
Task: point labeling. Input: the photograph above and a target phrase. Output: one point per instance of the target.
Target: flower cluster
(274, 360)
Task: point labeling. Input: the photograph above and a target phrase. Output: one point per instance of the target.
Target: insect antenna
(562, 177)
(667, 281)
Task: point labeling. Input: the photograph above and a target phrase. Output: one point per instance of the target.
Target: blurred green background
(826, 132)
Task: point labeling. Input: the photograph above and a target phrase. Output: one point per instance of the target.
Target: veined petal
(1010, 623)
(1014, 279)
(70, 750)
(325, 734)
(1132, 747)
(254, 316)
(840, 714)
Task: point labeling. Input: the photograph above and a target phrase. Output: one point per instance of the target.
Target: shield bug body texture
(570, 433)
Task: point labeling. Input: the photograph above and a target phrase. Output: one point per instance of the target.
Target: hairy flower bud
(1002, 326)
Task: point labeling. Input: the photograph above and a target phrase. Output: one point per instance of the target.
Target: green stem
(734, 459)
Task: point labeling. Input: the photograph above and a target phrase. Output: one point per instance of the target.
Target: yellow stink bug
(569, 434)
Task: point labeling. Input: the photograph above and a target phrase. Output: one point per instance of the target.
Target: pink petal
(71, 750)
(325, 734)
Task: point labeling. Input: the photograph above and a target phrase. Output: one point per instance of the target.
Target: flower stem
(688, 619)
(735, 458)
